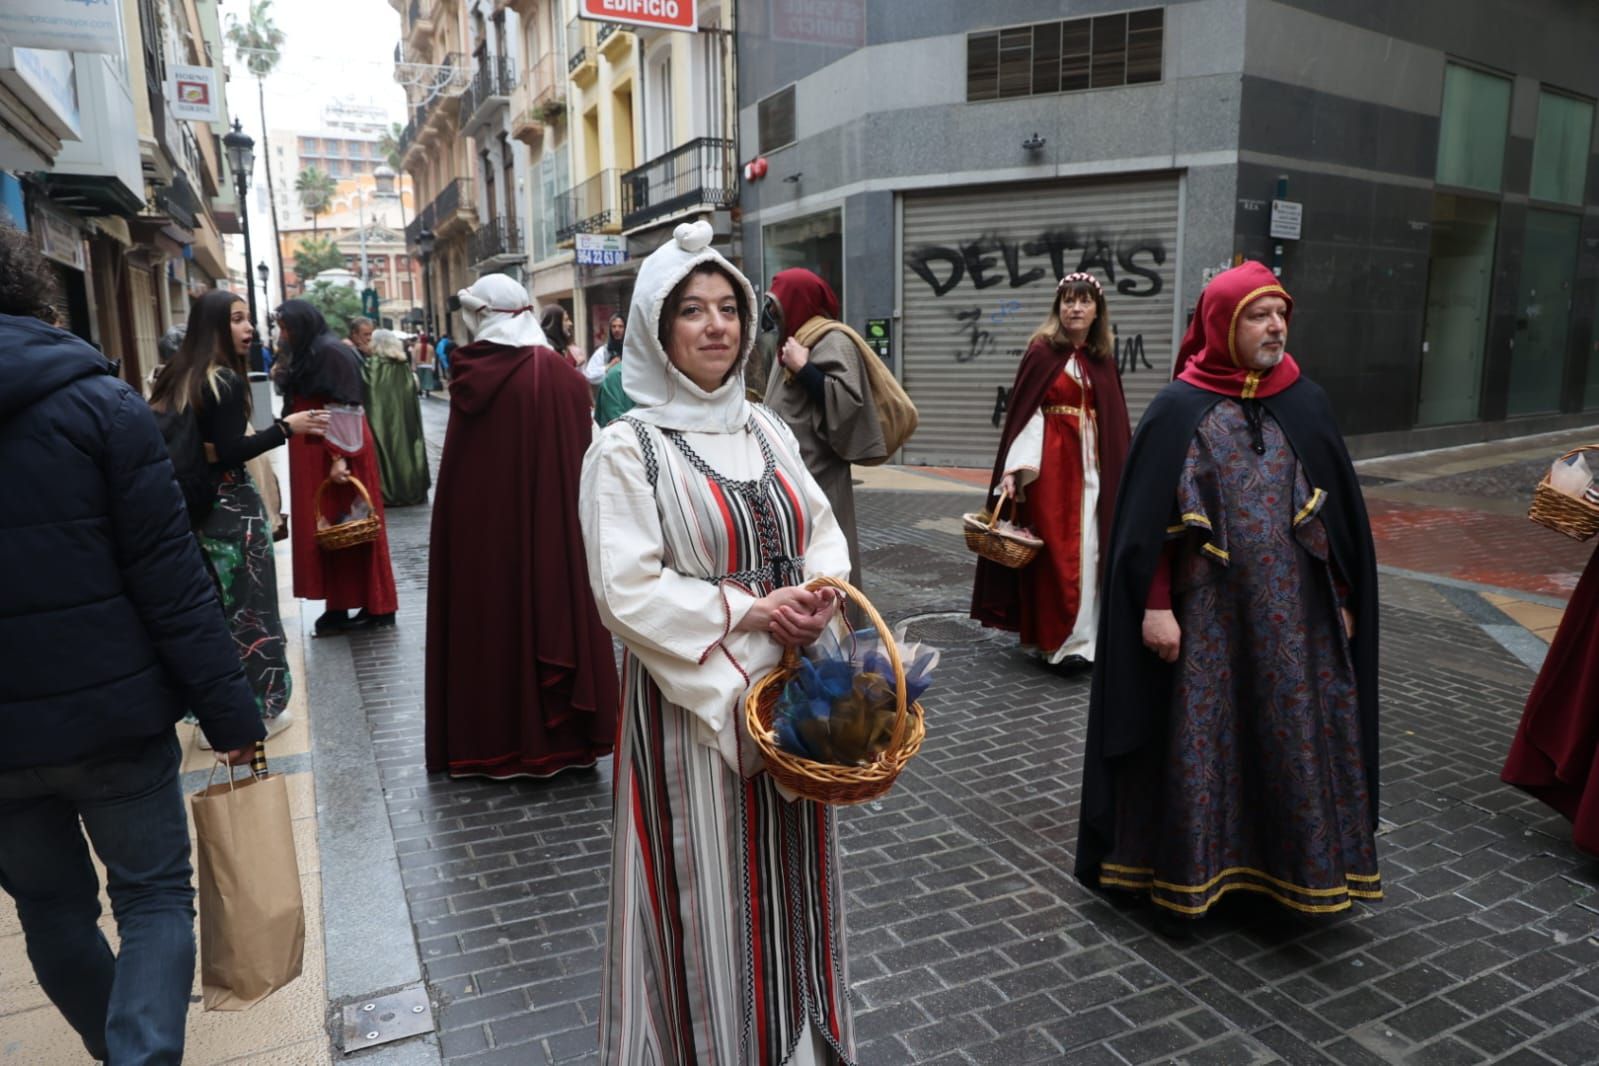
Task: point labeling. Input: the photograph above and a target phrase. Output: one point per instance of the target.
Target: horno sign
(661, 14)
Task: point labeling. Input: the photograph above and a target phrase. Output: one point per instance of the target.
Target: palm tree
(258, 43)
(316, 189)
(389, 144)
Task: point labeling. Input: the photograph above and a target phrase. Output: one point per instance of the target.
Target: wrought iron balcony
(454, 203)
(576, 45)
(587, 207)
(604, 32)
(492, 85)
(702, 173)
(497, 242)
(423, 220)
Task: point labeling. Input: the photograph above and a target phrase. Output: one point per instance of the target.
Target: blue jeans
(130, 1008)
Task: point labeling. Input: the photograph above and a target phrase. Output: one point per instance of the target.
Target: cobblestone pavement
(970, 942)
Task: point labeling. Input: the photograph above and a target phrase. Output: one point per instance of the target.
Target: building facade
(942, 165)
(431, 62)
(128, 201)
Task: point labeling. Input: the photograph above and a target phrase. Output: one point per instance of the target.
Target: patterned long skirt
(237, 540)
(726, 939)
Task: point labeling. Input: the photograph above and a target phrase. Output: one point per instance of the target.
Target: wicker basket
(1561, 513)
(348, 534)
(827, 782)
(1013, 550)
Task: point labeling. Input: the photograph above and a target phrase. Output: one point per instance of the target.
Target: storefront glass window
(1560, 152)
(1458, 287)
(1471, 135)
(1543, 312)
(815, 242)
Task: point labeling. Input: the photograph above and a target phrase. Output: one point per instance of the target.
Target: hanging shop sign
(57, 238)
(600, 249)
(192, 91)
(62, 25)
(660, 14)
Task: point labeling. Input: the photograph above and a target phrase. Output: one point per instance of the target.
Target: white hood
(664, 396)
(499, 310)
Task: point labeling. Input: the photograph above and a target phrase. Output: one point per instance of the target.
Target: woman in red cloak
(1555, 756)
(1060, 457)
(318, 370)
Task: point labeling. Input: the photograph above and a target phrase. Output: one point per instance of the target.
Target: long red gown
(1051, 587)
(1555, 755)
(356, 577)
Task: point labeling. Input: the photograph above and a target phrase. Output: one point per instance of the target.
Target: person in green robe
(394, 411)
(612, 402)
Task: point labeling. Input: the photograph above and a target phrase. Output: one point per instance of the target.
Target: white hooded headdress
(499, 310)
(663, 394)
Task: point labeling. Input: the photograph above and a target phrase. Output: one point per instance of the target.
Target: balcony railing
(500, 238)
(423, 220)
(587, 207)
(451, 200)
(702, 173)
(494, 80)
(604, 32)
(576, 45)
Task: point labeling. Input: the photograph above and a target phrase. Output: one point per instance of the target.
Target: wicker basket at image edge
(1007, 549)
(1559, 512)
(348, 534)
(827, 782)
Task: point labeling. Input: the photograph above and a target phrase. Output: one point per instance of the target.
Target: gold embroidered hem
(1196, 900)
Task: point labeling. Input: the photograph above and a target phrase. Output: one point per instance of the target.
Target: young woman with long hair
(557, 326)
(1060, 458)
(208, 374)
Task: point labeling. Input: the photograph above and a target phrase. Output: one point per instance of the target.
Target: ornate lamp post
(240, 148)
(425, 243)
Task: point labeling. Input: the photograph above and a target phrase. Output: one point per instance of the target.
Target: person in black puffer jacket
(110, 629)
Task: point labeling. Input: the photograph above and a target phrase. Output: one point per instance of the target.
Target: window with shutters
(775, 117)
(1066, 56)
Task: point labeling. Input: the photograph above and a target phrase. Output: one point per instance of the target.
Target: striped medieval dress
(726, 928)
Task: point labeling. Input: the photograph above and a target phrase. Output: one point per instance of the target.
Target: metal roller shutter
(979, 271)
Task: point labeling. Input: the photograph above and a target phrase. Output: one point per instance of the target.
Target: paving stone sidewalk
(970, 942)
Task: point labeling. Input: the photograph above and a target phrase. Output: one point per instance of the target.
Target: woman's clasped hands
(793, 616)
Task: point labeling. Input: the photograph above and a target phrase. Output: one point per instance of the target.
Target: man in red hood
(1232, 734)
(521, 679)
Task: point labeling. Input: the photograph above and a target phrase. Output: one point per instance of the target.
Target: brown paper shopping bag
(252, 920)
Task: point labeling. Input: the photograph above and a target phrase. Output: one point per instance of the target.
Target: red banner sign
(662, 14)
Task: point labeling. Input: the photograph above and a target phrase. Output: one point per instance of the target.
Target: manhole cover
(942, 630)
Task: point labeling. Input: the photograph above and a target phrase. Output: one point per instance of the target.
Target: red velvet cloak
(996, 599)
(521, 677)
(1555, 755)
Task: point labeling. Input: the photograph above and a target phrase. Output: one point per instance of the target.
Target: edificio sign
(661, 14)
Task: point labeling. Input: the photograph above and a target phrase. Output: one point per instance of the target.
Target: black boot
(332, 624)
(364, 619)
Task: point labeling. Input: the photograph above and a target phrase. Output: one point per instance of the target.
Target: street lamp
(425, 243)
(240, 147)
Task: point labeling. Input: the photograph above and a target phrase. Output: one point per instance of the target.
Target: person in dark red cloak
(1555, 755)
(1060, 457)
(316, 369)
(521, 677)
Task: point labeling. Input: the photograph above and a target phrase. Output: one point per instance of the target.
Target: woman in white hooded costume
(726, 930)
